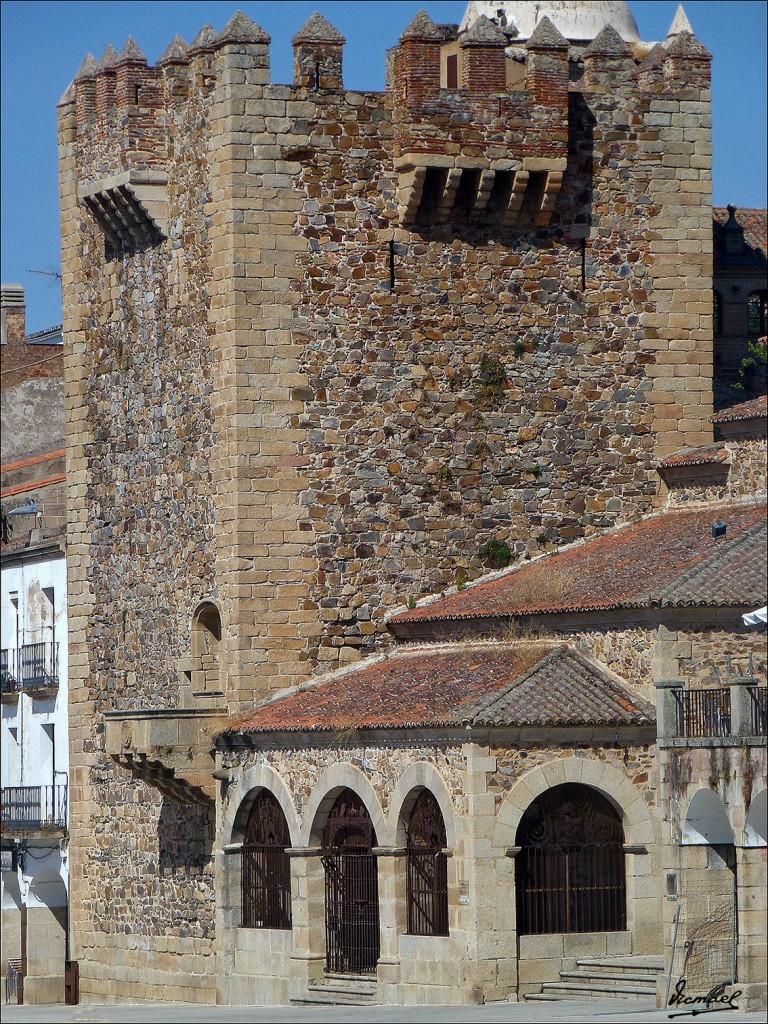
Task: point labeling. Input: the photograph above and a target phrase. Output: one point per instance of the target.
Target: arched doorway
(427, 868)
(570, 868)
(351, 888)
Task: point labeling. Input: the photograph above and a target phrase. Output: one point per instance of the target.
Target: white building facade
(35, 762)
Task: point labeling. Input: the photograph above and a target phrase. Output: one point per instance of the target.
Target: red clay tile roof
(704, 455)
(488, 684)
(564, 688)
(32, 485)
(32, 461)
(751, 410)
(754, 222)
(628, 567)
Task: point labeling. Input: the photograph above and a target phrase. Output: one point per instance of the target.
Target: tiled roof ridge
(33, 460)
(31, 485)
(563, 652)
(483, 705)
(753, 408)
(312, 683)
(401, 651)
(46, 330)
(698, 455)
(688, 577)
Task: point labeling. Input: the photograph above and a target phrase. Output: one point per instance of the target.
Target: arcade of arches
(397, 884)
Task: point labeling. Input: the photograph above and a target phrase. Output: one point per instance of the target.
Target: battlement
(472, 99)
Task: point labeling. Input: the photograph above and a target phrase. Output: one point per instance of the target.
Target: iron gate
(351, 913)
(351, 888)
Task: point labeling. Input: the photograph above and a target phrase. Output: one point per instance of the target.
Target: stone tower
(322, 348)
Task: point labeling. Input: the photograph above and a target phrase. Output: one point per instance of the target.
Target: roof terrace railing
(703, 712)
(758, 700)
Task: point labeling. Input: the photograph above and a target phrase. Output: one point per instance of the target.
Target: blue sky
(43, 44)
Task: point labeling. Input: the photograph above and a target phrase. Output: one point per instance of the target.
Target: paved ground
(619, 1011)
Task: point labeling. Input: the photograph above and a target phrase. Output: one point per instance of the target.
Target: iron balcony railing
(8, 681)
(38, 665)
(30, 808)
(758, 710)
(703, 712)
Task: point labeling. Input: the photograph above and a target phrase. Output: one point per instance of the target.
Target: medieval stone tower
(327, 351)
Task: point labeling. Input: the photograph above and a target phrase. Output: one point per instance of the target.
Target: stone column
(666, 715)
(741, 704)
(308, 889)
(392, 923)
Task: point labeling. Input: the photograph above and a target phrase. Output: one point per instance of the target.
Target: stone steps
(624, 977)
(339, 990)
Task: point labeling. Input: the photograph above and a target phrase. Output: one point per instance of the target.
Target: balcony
(703, 712)
(731, 715)
(758, 699)
(9, 684)
(33, 808)
(34, 668)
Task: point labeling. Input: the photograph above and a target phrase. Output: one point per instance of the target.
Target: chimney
(13, 314)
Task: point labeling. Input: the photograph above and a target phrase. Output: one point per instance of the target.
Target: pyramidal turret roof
(484, 32)
(204, 39)
(175, 52)
(241, 29)
(679, 24)
(131, 52)
(318, 29)
(546, 36)
(108, 59)
(608, 42)
(422, 27)
(87, 69)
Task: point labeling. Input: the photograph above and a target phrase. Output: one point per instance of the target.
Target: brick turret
(417, 63)
(546, 68)
(484, 63)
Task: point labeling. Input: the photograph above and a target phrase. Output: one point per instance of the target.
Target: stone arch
(331, 782)
(610, 782)
(245, 791)
(706, 821)
(756, 825)
(418, 776)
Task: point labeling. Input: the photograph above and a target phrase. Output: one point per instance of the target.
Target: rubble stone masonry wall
(306, 404)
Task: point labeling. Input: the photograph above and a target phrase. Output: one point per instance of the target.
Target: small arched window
(266, 867)
(757, 313)
(717, 313)
(206, 646)
(427, 869)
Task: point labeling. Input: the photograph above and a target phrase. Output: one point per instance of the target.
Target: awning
(755, 618)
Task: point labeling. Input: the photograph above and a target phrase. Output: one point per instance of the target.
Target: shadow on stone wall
(185, 836)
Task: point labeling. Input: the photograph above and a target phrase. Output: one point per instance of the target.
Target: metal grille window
(266, 868)
(427, 869)
(570, 868)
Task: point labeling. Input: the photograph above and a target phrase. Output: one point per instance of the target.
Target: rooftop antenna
(45, 273)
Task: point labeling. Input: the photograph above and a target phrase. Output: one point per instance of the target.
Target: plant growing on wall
(497, 553)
